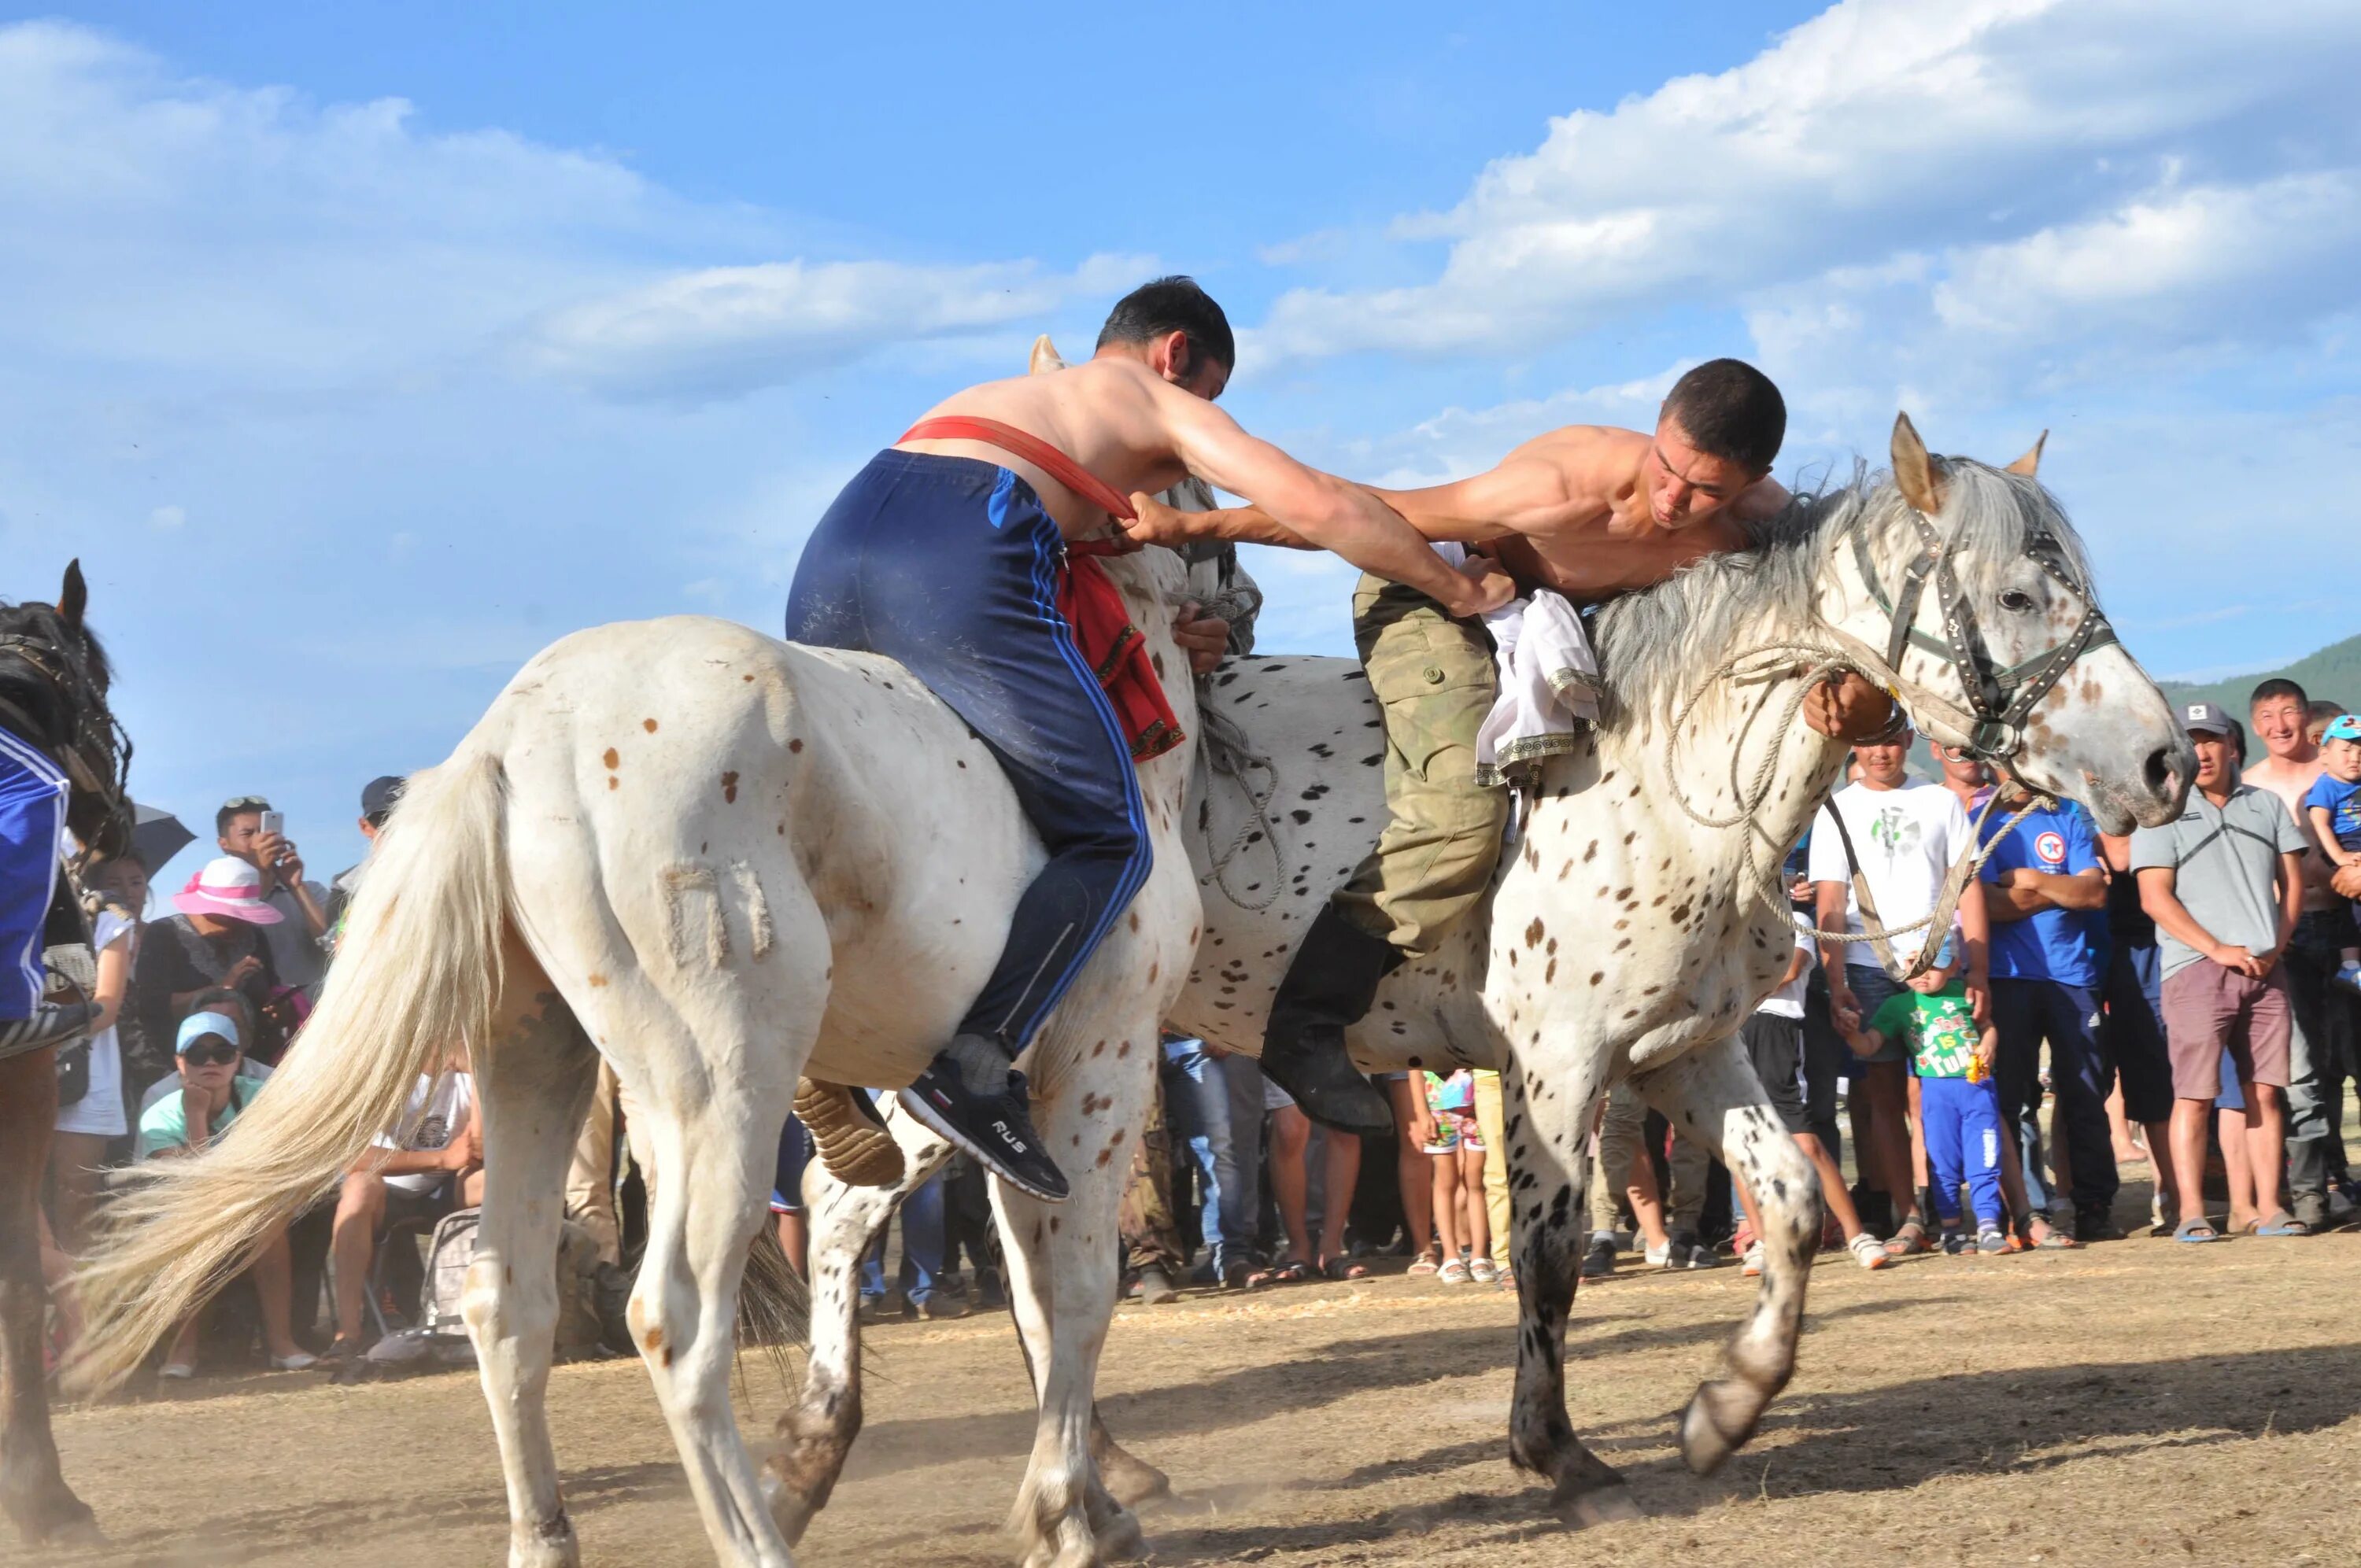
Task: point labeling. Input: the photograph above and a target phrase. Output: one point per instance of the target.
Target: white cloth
(437, 1113)
(1787, 1002)
(100, 1111)
(1549, 680)
(1906, 839)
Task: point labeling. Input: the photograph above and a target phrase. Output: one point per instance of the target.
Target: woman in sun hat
(214, 941)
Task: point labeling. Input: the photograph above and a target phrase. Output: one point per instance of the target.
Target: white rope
(1816, 665)
(1229, 754)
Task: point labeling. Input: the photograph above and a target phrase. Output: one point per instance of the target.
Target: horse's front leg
(1550, 1100)
(1712, 1095)
(1062, 1272)
(33, 1490)
(816, 1432)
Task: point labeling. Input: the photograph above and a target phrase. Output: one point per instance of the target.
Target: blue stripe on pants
(32, 833)
(950, 566)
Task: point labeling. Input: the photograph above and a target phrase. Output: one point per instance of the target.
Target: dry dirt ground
(2134, 1403)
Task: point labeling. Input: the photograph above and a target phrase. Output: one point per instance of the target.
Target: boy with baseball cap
(2332, 808)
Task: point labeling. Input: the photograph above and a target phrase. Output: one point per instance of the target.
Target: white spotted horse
(718, 861)
(1633, 927)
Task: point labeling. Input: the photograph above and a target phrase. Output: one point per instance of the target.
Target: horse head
(53, 686)
(1964, 590)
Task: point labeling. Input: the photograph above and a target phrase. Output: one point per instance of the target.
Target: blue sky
(361, 350)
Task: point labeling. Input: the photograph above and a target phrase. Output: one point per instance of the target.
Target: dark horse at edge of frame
(53, 684)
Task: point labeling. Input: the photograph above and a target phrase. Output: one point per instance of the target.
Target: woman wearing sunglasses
(208, 1053)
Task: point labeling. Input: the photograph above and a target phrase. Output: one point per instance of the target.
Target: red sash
(1093, 609)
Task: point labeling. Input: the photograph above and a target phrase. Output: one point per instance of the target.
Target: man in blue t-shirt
(2045, 894)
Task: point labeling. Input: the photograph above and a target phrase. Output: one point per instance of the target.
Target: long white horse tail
(417, 976)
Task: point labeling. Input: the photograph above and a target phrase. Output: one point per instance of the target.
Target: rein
(1999, 699)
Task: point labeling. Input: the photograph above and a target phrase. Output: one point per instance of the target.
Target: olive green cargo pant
(1435, 680)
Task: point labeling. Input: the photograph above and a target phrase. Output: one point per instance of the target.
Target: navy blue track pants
(950, 566)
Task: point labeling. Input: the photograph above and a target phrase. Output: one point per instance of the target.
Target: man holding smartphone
(250, 829)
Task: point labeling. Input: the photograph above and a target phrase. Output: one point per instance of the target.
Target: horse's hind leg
(1713, 1096)
(33, 1490)
(535, 1080)
(1547, 1112)
(816, 1432)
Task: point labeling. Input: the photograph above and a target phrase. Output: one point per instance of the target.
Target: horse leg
(1547, 1117)
(1712, 1095)
(534, 1082)
(1062, 1272)
(816, 1432)
(33, 1490)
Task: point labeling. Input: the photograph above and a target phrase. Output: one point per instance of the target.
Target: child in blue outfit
(2332, 809)
(1959, 1103)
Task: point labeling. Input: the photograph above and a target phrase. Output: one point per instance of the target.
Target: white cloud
(1879, 131)
(730, 329)
(167, 517)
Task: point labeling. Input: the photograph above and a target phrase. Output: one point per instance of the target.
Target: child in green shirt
(1958, 1105)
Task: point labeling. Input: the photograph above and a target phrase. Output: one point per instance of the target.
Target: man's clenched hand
(1849, 708)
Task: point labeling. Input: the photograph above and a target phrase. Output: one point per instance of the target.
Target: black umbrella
(158, 836)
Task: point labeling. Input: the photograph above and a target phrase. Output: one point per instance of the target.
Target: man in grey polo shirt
(2224, 886)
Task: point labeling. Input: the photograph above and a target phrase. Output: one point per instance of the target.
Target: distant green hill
(2334, 673)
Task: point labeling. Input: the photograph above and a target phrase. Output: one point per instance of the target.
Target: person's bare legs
(1833, 1191)
(1290, 1131)
(2188, 1141)
(2160, 1158)
(2119, 1128)
(1445, 1171)
(2237, 1171)
(1647, 1205)
(57, 1275)
(1416, 1183)
(2266, 1137)
(1886, 1085)
(184, 1343)
(360, 1210)
(1471, 1184)
(2012, 1188)
(794, 1240)
(274, 1272)
(74, 1162)
(1919, 1177)
(1340, 1174)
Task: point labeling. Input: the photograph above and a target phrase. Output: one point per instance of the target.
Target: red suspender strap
(1032, 449)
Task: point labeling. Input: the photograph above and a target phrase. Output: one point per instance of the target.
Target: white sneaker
(302, 1361)
(2348, 976)
(1868, 1250)
(176, 1371)
(1753, 1260)
(1659, 1256)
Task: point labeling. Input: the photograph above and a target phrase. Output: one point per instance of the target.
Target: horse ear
(1045, 357)
(1919, 475)
(2031, 464)
(74, 596)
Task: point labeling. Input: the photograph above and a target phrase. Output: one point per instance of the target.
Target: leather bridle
(96, 751)
(1999, 697)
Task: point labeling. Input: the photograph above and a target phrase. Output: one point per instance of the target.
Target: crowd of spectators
(2183, 998)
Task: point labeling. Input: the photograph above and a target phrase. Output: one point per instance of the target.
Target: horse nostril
(2160, 773)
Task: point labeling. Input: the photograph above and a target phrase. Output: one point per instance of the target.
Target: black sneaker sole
(918, 1106)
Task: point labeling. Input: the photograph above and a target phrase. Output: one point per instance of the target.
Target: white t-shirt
(432, 1123)
(1906, 839)
(1787, 1002)
(100, 1111)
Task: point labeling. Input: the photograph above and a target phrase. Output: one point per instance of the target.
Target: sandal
(1342, 1268)
(1423, 1263)
(1483, 1271)
(1453, 1273)
(2196, 1228)
(1909, 1241)
(2051, 1239)
(1294, 1271)
(2279, 1224)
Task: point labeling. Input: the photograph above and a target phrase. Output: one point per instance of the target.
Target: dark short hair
(2322, 707)
(2278, 686)
(243, 806)
(1172, 304)
(1730, 410)
(2239, 741)
(222, 999)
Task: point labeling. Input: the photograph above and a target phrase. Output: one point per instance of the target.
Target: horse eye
(2015, 600)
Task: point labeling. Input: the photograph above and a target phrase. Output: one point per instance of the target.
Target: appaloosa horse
(718, 861)
(53, 682)
(1634, 926)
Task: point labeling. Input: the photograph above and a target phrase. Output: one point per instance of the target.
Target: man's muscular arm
(1325, 511)
(1522, 493)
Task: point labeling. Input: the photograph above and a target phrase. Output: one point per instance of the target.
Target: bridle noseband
(1999, 699)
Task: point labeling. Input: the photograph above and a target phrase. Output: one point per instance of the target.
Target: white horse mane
(1652, 643)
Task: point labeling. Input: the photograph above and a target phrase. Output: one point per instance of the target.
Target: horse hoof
(1131, 1481)
(1120, 1541)
(790, 1509)
(1710, 1432)
(1597, 1504)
